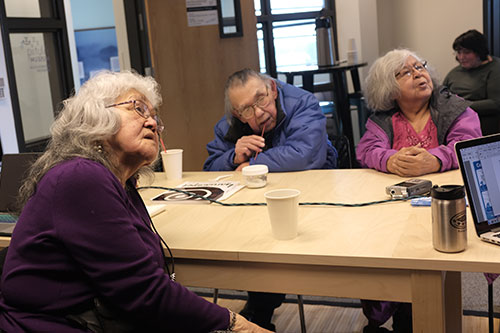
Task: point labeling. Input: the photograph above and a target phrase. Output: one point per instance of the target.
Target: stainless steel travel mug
(449, 224)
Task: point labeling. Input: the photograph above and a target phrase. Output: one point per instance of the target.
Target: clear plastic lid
(255, 170)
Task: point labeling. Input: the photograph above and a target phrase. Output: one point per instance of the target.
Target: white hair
(238, 79)
(382, 87)
(85, 123)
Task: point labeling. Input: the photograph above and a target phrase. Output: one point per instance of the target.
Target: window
(39, 72)
(286, 33)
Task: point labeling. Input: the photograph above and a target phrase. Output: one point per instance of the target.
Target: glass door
(38, 66)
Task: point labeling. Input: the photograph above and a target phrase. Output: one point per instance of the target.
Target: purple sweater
(83, 235)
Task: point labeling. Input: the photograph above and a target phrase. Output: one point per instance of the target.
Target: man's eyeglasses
(144, 111)
(248, 112)
(408, 71)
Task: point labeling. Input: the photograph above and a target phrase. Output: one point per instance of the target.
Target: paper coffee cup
(172, 163)
(352, 57)
(283, 209)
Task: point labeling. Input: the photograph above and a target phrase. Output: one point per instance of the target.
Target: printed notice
(201, 12)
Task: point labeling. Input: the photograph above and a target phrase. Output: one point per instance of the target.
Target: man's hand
(242, 165)
(413, 161)
(246, 146)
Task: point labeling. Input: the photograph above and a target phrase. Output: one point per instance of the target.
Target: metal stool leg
(301, 314)
(216, 295)
(490, 307)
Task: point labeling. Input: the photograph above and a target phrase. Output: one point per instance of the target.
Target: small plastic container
(255, 175)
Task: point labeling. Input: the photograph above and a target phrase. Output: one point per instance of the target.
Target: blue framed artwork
(97, 50)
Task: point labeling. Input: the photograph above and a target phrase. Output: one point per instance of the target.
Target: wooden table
(381, 252)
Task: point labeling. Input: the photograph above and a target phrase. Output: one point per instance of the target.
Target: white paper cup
(172, 163)
(352, 57)
(283, 208)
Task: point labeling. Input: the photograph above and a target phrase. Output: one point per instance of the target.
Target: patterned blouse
(406, 136)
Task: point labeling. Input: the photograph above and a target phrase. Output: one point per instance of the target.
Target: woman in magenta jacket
(411, 133)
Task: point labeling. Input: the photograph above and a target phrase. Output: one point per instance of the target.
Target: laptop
(479, 161)
(12, 173)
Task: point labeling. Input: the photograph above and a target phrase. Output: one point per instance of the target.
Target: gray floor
(474, 294)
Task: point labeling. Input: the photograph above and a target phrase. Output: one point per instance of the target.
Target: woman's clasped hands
(413, 161)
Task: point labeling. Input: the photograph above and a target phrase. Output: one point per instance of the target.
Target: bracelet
(232, 322)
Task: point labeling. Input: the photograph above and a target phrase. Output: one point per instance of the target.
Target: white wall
(427, 27)
(358, 19)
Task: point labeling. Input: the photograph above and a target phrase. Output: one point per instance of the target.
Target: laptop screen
(479, 161)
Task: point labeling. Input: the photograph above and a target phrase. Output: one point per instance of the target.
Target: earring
(98, 148)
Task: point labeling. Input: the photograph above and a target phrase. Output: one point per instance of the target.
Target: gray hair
(85, 123)
(382, 87)
(238, 79)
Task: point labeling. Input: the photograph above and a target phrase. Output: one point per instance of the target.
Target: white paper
(154, 210)
(200, 3)
(201, 12)
(217, 190)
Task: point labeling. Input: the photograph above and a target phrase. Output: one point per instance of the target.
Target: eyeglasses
(144, 111)
(248, 112)
(408, 71)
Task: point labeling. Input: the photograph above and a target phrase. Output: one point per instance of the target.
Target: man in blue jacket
(280, 122)
(273, 123)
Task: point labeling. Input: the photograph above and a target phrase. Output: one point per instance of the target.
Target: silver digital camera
(409, 188)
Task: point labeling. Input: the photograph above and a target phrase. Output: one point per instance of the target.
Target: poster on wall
(97, 50)
(201, 12)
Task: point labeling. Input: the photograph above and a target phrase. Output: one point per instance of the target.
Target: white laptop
(479, 161)
(14, 168)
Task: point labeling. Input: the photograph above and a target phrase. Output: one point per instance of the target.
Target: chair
(357, 100)
(341, 144)
(490, 278)
(3, 255)
(337, 138)
(490, 308)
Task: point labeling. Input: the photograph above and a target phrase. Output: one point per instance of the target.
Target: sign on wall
(201, 12)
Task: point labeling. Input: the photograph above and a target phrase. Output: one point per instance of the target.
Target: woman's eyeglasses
(408, 71)
(248, 112)
(144, 111)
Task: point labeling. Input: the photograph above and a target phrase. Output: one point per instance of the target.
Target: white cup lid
(254, 170)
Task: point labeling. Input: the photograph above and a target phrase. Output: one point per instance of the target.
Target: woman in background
(411, 133)
(477, 78)
(83, 256)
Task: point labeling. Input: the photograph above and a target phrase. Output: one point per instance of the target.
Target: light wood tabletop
(382, 251)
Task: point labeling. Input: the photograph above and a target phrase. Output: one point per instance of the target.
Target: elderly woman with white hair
(412, 132)
(415, 122)
(84, 256)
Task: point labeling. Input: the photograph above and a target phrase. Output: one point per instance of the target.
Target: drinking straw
(163, 145)
(262, 135)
